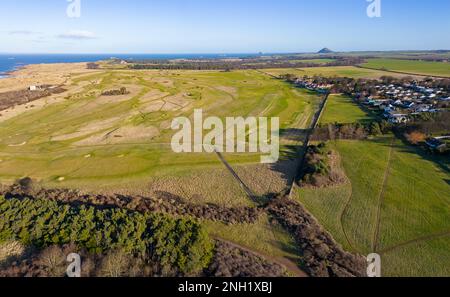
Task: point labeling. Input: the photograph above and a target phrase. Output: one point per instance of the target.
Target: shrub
(415, 137)
(178, 243)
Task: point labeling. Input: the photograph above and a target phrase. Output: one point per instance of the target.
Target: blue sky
(221, 26)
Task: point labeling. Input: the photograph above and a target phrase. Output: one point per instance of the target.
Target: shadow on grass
(291, 155)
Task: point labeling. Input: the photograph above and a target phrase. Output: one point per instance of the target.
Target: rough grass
(10, 249)
(410, 66)
(424, 259)
(264, 237)
(341, 109)
(414, 203)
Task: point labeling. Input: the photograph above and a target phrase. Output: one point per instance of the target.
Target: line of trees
(242, 64)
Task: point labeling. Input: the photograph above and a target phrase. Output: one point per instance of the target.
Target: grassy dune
(410, 66)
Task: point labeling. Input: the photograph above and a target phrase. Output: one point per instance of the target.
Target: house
(408, 104)
(422, 108)
(389, 108)
(398, 118)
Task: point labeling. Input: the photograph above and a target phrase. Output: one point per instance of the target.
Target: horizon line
(221, 53)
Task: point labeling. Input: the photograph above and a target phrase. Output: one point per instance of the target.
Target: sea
(11, 62)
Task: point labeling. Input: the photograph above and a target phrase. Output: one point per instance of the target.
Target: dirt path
(414, 241)
(288, 264)
(376, 234)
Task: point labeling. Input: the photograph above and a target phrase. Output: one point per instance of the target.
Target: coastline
(39, 74)
(9, 73)
(57, 74)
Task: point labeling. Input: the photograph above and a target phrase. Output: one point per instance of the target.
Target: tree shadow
(291, 155)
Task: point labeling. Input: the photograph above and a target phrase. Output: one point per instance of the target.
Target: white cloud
(77, 34)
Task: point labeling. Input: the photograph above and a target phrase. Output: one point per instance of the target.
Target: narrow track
(282, 261)
(376, 234)
(414, 241)
(246, 189)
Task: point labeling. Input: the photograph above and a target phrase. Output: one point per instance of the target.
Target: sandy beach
(40, 74)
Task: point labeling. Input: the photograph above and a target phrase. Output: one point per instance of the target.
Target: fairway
(94, 142)
(394, 196)
(342, 110)
(345, 71)
(410, 66)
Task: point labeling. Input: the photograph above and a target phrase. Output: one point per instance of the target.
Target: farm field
(341, 109)
(89, 141)
(346, 71)
(393, 197)
(410, 66)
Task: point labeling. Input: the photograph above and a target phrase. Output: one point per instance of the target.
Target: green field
(410, 66)
(395, 201)
(347, 71)
(413, 194)
(341, 109)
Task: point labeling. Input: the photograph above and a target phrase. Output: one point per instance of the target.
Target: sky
(221, 26)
